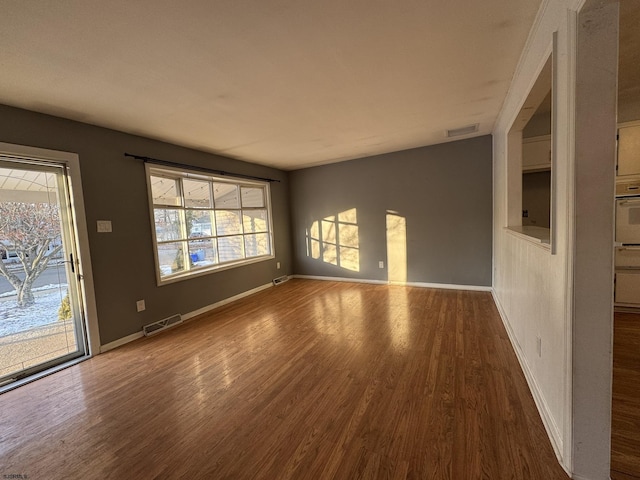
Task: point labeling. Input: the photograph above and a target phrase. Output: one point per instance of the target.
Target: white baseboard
(120, 342)
(553, 432)
(580, 477)
(340, 279)
(185, 317)
(447, 286)
(208, 308)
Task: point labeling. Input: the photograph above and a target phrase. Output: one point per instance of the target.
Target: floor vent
(160, 325)
(279, 280)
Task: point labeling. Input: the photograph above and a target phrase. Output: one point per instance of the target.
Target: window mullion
(183, 227)
(183, 243)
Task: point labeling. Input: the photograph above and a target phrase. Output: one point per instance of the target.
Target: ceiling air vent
(456, 132)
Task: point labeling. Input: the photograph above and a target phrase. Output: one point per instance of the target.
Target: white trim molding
(186, 316)
(213, 306)
(121, 341)
(550, 425)
(445, 286)
(72, 161)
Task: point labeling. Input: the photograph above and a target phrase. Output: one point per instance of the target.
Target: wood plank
(625, 408)
(306, 380)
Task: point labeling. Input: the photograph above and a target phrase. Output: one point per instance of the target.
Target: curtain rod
(167, 163)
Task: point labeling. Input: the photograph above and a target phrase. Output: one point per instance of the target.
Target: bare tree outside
(32, 231)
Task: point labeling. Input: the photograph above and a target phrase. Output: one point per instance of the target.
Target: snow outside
(49, 290)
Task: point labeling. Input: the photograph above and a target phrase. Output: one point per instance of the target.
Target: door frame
(87, 290)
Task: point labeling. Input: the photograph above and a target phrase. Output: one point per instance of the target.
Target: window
(204, 223)
(530, 163)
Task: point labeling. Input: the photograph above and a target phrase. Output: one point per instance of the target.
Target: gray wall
(115, 189)
(629, 112)
(444, 193)
(536, 186)
(538, 125)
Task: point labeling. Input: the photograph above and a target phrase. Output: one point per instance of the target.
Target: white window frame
(541, 237)
(181, 174)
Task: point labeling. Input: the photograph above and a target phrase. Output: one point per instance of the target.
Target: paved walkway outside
(35, 346)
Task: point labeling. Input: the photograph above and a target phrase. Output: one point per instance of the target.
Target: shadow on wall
(335, 240)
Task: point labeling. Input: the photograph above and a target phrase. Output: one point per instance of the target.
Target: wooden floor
(625, 411)
(307, 380)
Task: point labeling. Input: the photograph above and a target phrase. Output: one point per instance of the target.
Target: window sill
(537, 235)
(207, 271)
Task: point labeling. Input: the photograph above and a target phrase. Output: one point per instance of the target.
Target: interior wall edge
(550, 425)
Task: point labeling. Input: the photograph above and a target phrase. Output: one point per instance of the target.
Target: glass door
(41, 314)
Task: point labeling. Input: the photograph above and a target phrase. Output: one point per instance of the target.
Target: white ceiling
(285, 83)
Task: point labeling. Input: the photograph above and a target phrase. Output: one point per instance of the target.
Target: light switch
(104, 226)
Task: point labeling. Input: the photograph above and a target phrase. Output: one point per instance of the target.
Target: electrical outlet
(140, 306)
(539, 345)
(380, 264)
(278, 265)
(104, 226)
